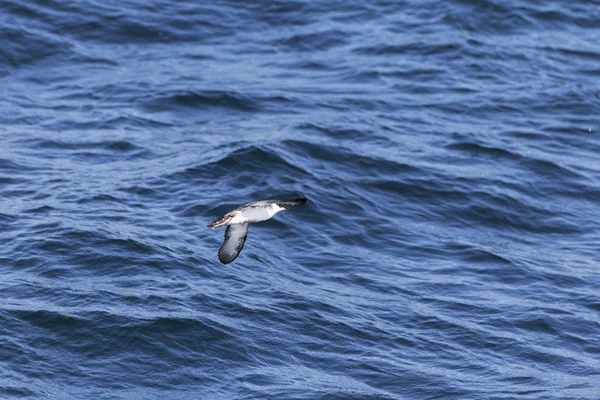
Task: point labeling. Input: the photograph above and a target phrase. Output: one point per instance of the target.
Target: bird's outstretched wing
(235, 237)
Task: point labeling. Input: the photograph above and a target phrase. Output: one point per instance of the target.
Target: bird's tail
(224, 220)
(292, 203)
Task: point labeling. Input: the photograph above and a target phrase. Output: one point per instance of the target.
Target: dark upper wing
(235, 237)
(292, 203)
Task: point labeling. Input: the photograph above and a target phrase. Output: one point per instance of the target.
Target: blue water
(450, 152)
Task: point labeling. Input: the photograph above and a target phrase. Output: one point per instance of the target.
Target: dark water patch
(487, 16)
(293, 13)
(101, 198)
(412, 74)
(115, 334)
(503, 218)
(202, 99)
(318, 41)
(46, 227)
(26, 121)
(16, 392)
(239, 167)
(592, 305)
(483, 150)
(56, 273)
(416, 190)
(476, 255)
(17, 193)
(550, 169)
(567, 16)
(312, 65)
(104, 23)
(410, 49)
(560, 279)
(129, 246)
(99, 61)
(589, 71)
(337, 132)
(192, 210)
(95, 250)
(536, 325)
(363, 104)
(22, 47)
(585, 55)
(121, 146)
(40, 210)
(7, 217)
(132, 121)
(9, 181)
(546, 168)
(88, 157)
(51, 144)
(89, 152)
(368, 76)
(370, 166)
(139, 191)
(561, 128)
(13, 166)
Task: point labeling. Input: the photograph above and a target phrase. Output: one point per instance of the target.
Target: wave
(212, 99)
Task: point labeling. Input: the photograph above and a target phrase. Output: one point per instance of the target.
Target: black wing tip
(226, 259)
(293, 203)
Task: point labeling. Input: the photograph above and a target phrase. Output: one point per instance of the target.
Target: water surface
(449, 151)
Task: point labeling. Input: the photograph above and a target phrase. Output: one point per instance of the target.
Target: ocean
(449, 151)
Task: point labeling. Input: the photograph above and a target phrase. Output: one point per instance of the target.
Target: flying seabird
(237, 223)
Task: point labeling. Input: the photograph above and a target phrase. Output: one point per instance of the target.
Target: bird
(237, 223)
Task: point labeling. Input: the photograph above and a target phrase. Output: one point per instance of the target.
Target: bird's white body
(256, 213)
